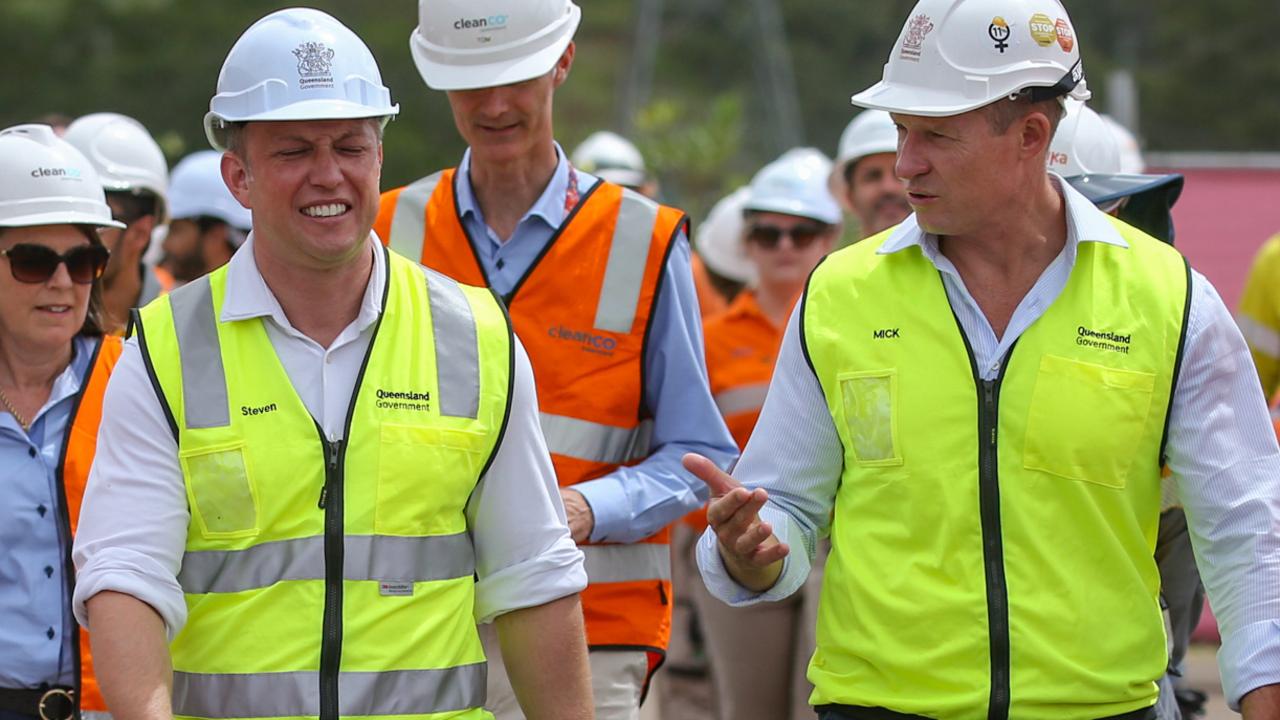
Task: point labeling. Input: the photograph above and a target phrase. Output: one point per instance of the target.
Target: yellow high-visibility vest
(328, 578)
(992, 540)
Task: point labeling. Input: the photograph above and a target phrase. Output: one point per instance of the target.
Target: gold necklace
(14, 411)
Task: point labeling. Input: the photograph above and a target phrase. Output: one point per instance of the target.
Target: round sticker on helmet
(1042, 30)
(1066, 40)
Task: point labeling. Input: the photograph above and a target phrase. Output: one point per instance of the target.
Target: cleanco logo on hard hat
(493, 22)
(315, 65)
(69, 173)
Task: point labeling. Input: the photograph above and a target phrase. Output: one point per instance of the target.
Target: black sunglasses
(768, 236)
(31, 263)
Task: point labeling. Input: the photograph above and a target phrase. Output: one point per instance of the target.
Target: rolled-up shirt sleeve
(634, 502)
(133, 522)
(525, 555)
(1223, 454)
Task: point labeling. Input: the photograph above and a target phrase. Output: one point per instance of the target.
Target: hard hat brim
(1100, 189)
(479, 75)
(60, 218)
(622, 176)
(915, 101)
(798, 209)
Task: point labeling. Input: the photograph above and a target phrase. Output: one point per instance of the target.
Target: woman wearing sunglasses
(790, 221)
(54, 364)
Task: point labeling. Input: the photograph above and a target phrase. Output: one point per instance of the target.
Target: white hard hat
(470, 44)
(125, 156)
(44, 180)
(297, 64)
(1083, 145)
(198, 190)
(611, 157)
(795, 184)
(954, 56)
(871, 132)
(719, 238)
(1130, 151)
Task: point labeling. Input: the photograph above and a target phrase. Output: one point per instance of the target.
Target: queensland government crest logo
(315, 65)
(913, 42)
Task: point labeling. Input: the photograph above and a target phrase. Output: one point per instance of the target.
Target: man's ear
(138, 235)
(235, 173)
(1037, 134)
(563, 65)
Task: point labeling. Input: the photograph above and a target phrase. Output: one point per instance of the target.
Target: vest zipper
(993, 544)
(331, 497)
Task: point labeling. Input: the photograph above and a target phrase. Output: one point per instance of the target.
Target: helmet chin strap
(1059, 89)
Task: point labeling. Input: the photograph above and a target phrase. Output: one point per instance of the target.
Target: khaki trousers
(617, 679)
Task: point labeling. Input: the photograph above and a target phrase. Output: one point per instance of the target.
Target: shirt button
(50, 633)
(48, 571)
(42, 510)
(501, 263)
(31, 452)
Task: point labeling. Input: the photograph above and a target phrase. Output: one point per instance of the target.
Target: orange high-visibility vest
(582, 311)
(78, 447)
(710, 301)
(742, 348)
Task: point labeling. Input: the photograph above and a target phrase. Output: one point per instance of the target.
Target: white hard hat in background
(719, 239)
(1084, 144)
(1130, 151)
(954, 56)
(44, 180)
(871, 132)
(611, 157)
(297, 64)
(795, 184)
(198, 190)
(470, 44)
(125, 156)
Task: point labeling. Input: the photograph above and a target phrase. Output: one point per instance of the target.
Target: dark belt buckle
(57, 704)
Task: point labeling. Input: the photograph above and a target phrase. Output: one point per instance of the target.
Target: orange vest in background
(79, 445)
(742, 349)
(710, 301)
(582, 312)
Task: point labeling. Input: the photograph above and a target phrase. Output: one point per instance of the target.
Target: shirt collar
(248, 296)
(550, 205)
(1085, 223)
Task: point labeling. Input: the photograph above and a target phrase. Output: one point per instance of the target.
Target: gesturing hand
(751, 552)
(578, 512)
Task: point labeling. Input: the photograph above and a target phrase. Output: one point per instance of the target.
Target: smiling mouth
(326, 211)
(57, 309)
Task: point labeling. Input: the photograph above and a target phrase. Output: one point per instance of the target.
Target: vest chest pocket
(870, 406)
(221, 492)
(1086, 421)
(425, 476)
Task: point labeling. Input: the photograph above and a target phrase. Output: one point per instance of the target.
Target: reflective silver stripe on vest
(204, 381)
(741, 399)
(627, 563)
(408, 224)
(293, 694)
(367, 557)
(624, 273)
(586, 440)
(457, 352)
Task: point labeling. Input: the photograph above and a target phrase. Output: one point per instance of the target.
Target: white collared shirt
(1222, 450)
(133, 526)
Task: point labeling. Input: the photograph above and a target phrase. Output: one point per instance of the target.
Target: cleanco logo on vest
(597, 344)
(404, 400)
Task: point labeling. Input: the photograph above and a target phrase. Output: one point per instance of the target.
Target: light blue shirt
(634, 502)
(35, 606)
(1222, 451)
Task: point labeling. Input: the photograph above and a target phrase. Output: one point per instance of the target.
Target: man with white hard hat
(135, 177)
(597, 281)
(863, 178)
(977, 405)
(321, 465)
(207, 224)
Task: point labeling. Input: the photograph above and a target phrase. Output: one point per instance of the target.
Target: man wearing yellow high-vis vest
(975, 405)
(322, 465)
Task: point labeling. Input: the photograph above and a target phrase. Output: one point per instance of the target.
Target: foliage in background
(1208, 74)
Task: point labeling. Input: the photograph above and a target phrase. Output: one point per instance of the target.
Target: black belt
(852, 712)
(55, 703)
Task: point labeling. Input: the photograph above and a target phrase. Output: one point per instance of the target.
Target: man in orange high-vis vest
(598, 284)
